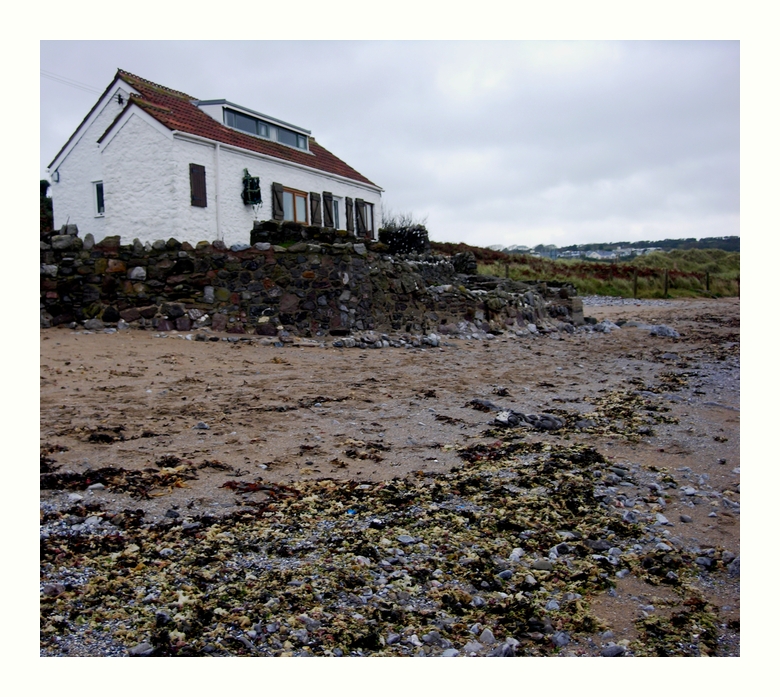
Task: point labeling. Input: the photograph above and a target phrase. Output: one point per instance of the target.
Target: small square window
(100, 206)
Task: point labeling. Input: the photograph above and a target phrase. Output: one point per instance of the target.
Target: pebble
(487, 637)
(405, 539)
(143, 649)
(663, 330)
(505, 575)
(613, 650)
(688, 491)
(661, 519)
(201, 425)
(561, 639)
(473, 647)
(431, 638)
(686, 519)
(96, 487)
(552, 605)
(516, 554)
(447, 653)
(542, 565)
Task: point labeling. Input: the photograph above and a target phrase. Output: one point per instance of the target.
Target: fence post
(666, 282)
(708, 281)
(506, 270)
(634, 283)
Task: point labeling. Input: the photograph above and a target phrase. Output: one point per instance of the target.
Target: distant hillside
(727, 244)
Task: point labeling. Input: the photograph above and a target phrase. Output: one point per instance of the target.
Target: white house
(151, 163)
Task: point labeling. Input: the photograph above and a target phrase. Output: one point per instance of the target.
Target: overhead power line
(69, 82)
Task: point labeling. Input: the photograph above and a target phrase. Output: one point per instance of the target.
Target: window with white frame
(100, 205)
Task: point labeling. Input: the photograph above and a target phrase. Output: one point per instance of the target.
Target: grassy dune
(686, 272)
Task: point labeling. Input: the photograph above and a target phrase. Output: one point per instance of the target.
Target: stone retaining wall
(308, 289)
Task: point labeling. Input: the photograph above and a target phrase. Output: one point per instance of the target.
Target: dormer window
(288, 137)
(245, 123)
(258, 127)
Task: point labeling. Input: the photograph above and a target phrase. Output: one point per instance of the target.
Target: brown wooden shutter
(327, 205)
(277, 199)
(350, 222)
(198, 185)
(360, 214)
(316, 210)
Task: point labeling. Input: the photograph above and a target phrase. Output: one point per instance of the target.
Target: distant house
(149, 162)
(600, 254)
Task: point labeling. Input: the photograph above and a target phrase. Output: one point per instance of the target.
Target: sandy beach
(187, 438)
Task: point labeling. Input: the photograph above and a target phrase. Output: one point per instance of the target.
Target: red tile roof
(176, 111)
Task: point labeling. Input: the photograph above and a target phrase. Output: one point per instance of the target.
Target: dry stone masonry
(308, 289)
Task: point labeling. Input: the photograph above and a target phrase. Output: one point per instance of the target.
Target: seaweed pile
(500, 556)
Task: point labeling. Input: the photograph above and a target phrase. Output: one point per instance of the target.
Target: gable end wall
(73, 196)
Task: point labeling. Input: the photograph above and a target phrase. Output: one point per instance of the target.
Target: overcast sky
(494, 142)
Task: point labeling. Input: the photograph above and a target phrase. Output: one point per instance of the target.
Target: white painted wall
(236, 219)
(73, 196)
(138, 183)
